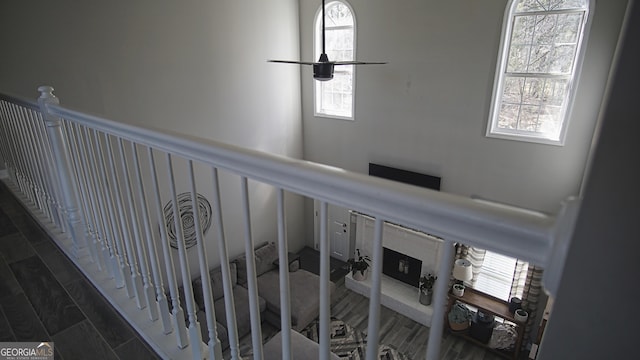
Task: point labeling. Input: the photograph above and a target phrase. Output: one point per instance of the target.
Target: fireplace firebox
(401, 267)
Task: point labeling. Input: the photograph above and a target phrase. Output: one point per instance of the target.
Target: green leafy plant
(361, 264)
(426, 283)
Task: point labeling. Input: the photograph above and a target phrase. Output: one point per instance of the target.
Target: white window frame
(493, 130)
(318, 85)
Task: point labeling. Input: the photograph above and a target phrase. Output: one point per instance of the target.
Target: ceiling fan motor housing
(323, 71)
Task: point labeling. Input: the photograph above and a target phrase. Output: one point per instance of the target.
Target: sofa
(304, 290)
(301, 348)
(241, 302)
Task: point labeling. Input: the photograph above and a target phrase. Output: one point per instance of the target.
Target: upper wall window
(537, 66)
(334, 98)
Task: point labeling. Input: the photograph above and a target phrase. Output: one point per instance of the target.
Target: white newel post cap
(46, 93)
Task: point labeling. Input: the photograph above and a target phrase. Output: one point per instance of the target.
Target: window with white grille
(536, 72)
(496, 275)
(334, 98)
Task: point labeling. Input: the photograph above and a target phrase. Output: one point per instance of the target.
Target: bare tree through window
(537, 70)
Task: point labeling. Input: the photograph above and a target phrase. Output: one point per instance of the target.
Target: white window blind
(496, 275)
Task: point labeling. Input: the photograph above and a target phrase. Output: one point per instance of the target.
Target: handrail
(28, 103)
(516, 232)
(525, 234)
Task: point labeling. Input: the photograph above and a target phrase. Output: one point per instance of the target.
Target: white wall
(594, 315)
(427, 109)
(195, 67)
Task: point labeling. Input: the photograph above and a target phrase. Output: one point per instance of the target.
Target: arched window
(334, 98)
(541, 53)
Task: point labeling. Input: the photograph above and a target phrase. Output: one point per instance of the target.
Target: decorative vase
(425, 298)
(521, 315)
(458, 290)
(360, 275)
(514, 304)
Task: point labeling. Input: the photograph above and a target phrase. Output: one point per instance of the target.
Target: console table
(489, 305)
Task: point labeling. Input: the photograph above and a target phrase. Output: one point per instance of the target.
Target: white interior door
(339, 240)
(338, 231)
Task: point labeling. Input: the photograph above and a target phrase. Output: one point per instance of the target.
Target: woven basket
(459, 326)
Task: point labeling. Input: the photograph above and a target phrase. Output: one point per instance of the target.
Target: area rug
(349, 343)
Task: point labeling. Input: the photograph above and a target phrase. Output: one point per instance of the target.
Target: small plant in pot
(359, 266)
(426, 288)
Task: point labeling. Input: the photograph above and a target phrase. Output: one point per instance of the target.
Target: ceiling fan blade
(292, 62)
(359, 62)
(323, 68)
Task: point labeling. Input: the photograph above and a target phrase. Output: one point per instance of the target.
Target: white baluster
(131, 276)
(17, 156)
(153, 254)
(33, 156)
(37, 160)
(285, 310)
(25, 160)
(177, 312)
(92, 201)
(22, 154)
(51, 173)
(42, 163)
(4, 145)
(232, 328)
(134, 232)
(81, 177)
(109, 252)
(252, 286)
(118, 255)
(325, 293)
(194, 327)
(214, 345)
(373, 337)
(439, 300)
(67, 180)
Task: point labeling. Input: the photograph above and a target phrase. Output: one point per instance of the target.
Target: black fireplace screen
(401, 267)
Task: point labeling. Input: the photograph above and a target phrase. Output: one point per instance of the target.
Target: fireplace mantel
(419, 245)
(395, 295)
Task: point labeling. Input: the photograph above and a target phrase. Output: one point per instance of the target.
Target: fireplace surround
(395, 294)
(401, 267)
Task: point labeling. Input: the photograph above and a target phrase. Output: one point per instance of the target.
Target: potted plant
(426, 288)
(359, 267)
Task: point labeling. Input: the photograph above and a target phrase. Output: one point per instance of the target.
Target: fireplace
(401, 267)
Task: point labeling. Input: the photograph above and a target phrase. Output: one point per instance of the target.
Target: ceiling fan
(323, 68)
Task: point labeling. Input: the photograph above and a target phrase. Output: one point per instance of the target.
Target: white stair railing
(85, 181)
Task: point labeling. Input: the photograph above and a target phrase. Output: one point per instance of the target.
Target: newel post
(66, 180)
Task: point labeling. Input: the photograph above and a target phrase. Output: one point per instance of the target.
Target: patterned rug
(349, 343)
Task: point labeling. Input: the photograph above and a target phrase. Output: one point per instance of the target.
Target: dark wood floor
(43, 296)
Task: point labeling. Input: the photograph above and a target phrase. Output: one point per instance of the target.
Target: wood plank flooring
(400, 332)
(396, 330)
